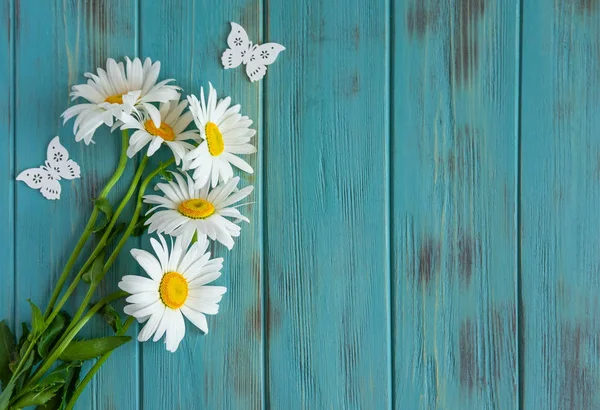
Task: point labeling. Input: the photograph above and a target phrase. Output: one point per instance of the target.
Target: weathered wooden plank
(453, 214)
(222, 370)
(326, 256)
(7, 136)
(560, 162)
(56, 44)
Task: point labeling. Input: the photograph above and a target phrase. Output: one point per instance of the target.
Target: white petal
(238, 162)
(161, 251)
(175, 331)
(135, 284)
(144, 297)
(154, 145)
(154, 114)
(149, 263)
(137, 310)
(164, 323)
(201, 305)
(197, 318)
(152, 325)
(235, 197)
(203, 279)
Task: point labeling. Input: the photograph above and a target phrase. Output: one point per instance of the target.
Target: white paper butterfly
(255, 57)
(58, 166)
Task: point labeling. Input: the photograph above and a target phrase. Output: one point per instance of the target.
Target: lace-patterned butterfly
(255, 57)
(58, 166)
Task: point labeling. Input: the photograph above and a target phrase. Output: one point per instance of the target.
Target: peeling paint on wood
(7, 163)
(559, 202)
(458, 322)
(466, 39)
(454, 180)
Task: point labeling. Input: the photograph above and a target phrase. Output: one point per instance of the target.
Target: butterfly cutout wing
(59, 162)
(260, 58)
(58, 165)
(239, 47)
(41, 179)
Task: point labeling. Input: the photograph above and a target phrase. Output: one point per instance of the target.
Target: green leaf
(164, 173)
(20, 379)
(48, 388)
(38, 395)
(69, 387)
(55, 402)
(91, 348)
(17, 379)
(104, 206)
(101, 225)
(95, 273)
(24, 335)
(37, 319)
(112, 318)
(7, 346)
(21, 348)
(60, 322)
(62, 376)
(116, 230)
(6, 393)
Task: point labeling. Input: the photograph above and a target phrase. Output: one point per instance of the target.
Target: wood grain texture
(382, 268)
(56, 44)
(222, 370)
(7, 137)
(325, 157)
(453, 214)
(560, 194)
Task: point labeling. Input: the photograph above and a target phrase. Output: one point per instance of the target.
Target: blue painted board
(453, 205)
(560, 194)
(55, 45)
(425, 232)
(7, 137)
(224, 369)
(326, 254)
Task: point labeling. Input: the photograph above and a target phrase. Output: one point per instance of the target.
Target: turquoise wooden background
(426, 226)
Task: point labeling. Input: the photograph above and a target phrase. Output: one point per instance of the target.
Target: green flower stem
(92, 372)
(90, 225)
(75, 324)
(63, 344)
(136, 213)
(49, 317)
(94, 255)
(102, 243)
(138, 207)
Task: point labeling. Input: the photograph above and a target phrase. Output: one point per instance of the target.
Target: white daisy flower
(165, 125)
(225, 133)
(189, 210)
(176, 288)
(118, 89)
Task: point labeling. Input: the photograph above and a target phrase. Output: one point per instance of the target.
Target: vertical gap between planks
(262, 142)
(12, 80)
(139, 349)
(518, 191)
(389, 30)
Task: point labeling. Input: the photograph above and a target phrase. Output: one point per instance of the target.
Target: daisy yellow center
(173, 290)
(165, 131)
(114, 99)
(196, 208)
(214, 138)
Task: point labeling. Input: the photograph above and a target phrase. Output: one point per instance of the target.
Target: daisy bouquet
(195, 202)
